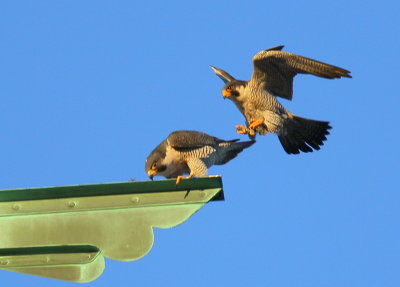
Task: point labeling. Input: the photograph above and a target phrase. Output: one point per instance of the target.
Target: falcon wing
(223, 75)
(276, 69)
(190, 140)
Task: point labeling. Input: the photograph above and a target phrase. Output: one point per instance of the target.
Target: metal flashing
(63, 232)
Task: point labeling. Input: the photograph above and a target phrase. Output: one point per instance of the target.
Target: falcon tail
(230, 149)
(303, 135)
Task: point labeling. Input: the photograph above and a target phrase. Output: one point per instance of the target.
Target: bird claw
(255, 124)
(251, 133)
(180, 177)
(241, 129)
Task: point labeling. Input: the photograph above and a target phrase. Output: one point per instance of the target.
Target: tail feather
(231, 149)
(304, 135)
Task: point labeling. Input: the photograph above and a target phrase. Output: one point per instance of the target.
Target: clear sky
(89, 88)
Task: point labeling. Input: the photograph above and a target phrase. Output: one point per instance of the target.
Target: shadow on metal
(65, 232)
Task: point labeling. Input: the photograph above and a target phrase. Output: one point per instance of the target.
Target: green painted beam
(69, 263)
(111, 189)
(64, 232)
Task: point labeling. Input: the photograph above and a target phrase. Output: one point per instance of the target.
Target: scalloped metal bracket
(47, 231)
(70, 263)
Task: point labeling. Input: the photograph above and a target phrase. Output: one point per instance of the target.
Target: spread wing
(276, 69)
(223, 75)
(189, 140)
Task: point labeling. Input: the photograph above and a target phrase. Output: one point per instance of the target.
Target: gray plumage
(191, 152)
(273, 74)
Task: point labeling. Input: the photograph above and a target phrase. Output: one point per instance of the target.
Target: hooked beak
(151, 173)
(226, 94)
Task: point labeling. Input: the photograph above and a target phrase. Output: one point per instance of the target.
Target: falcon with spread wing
(191, 152)
(273, 73)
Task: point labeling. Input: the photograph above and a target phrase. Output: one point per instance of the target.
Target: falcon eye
(228, 88)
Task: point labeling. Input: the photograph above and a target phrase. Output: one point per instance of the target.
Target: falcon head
(154, 162)
(233, 88)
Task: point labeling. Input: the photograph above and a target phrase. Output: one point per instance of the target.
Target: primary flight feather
(273, 73)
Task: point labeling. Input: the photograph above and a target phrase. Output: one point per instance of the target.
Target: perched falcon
(191, 152)
(273, 73)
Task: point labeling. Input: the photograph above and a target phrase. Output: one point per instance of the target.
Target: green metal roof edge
(48, 250)
(112, 189)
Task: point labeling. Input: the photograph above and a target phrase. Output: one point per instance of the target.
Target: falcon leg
(179, 178)
(252, 134)
(197, 168)
(241, 129)
(255, 124)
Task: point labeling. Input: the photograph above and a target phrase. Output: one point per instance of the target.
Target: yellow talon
(241, 129)
(180, 177)
(251, 133)
(255, 124)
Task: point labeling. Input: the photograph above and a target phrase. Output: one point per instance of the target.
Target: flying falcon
(273, 73)
(191, 152)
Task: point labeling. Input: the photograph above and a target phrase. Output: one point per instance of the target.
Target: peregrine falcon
(273, 73)
(191, 152)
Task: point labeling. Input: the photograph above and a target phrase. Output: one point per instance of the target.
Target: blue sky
(89, 88)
